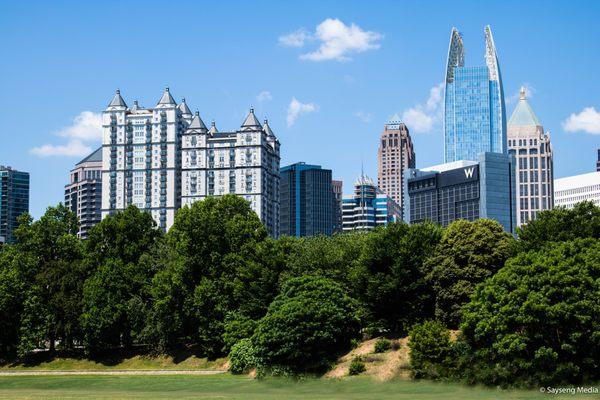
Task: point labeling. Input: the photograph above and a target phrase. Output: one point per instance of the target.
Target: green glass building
(14, 201)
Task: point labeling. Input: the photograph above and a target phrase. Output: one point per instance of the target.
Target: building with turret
(534, 172)
(244, 162)
(160, 159)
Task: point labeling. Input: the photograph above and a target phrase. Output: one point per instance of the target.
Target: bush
(242, 358)
(357, 366)
(307, 326)
(382, 345)
(396, 345)
(430, 350)
(536, 321)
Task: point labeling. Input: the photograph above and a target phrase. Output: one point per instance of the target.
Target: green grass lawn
(225, 387)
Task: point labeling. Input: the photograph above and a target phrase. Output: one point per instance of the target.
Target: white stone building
(534, 170)
(243, 162)
(161, 158)
(575, 189)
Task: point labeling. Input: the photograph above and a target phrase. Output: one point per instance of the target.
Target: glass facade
(482, 189)
(474, 112)
(14, 201)
(308, 206)
(368, 207)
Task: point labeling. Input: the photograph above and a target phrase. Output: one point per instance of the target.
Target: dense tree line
(218, 282)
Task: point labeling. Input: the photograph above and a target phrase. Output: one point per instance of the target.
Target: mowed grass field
(225, 387)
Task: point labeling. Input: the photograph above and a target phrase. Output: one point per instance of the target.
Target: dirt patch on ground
(381, 366)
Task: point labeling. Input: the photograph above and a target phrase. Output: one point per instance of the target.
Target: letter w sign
(469, 172)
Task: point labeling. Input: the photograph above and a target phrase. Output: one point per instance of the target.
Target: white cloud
(295, 39)
(587, 120)
(86, 127)
(73, 148)
(337, 40)
(364, 116)
(295, 109)
(265, 95)
(422, 118)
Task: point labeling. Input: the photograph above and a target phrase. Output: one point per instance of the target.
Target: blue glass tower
(474, 113)
(14, 201)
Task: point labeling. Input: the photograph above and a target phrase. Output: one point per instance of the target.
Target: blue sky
(326, 100)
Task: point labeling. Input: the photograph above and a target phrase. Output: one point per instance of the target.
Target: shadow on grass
(107, 358)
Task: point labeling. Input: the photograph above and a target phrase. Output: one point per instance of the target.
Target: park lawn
(227, 387)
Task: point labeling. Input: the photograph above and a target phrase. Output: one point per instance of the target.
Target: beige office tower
(395, 155)
(533, 160)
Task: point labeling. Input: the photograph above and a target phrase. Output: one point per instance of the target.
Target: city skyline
(68, 82)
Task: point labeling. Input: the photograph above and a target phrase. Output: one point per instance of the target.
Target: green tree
(214, 264)
(389, 276)
(116, 294)
(468, 253)
(307, 326)
(53, 290)
(536, 321)
(559, 225)
(430, 350)
(14, 268)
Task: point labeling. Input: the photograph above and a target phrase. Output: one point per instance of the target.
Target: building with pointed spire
(474, 111)
(162, 158)
(395, 155)
(534, 168)
(141, 157)
(244, 162)
(83, 193)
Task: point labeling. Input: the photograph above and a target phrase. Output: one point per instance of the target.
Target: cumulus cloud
(296, 108)
(587, 121)
(422, 118)
(73, 148)
(336, 40)
(295, 39)
(86, 127)
(363, 116)
(265, 95)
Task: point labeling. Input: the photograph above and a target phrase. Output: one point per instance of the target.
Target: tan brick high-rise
(395, 155)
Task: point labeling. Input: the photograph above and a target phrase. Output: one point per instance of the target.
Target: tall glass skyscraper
(474, 113)
(14, 201)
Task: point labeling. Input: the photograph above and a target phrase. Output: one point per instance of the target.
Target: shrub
(242, 358)
(430, 350)
(237, 327)
(382, 345)
(536, 321)
(357, 366)
(307, 326)
(396, 345)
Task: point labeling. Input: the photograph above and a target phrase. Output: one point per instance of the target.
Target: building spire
(522, 93)
(117, 101)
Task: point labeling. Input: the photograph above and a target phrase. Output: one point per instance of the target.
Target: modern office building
(368, 207)
(534, 172)
(575, 189)
(395, 155)
(598, 161)
(14, 201)
(463, 190)
(161, 158)
(474, 111)
(338, 195)
(83, 194)
(244, 162)
(306, 201)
